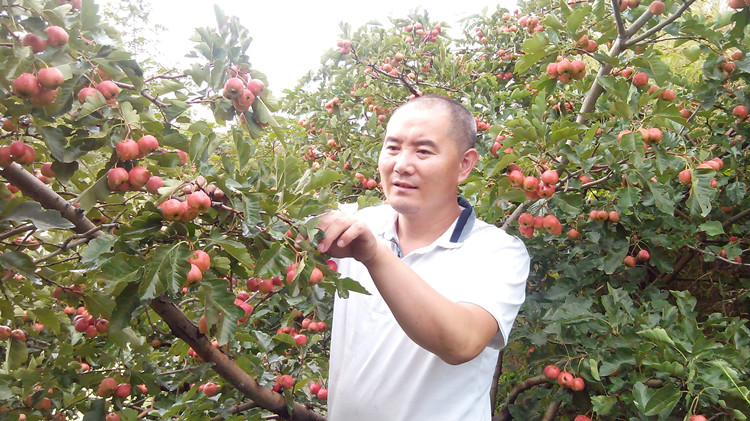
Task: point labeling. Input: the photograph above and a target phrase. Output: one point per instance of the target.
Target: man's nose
(404, 162)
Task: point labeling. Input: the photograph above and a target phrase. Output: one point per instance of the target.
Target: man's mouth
(404, 185)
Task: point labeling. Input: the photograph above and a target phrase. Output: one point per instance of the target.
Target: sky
(290, 36)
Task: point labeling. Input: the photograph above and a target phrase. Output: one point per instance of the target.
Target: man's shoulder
(376, 217)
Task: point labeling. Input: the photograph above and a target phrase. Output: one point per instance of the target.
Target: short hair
(463, 124)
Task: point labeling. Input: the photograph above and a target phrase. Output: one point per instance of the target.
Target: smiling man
(446, 287)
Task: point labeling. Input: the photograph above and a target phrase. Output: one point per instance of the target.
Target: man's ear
(468, 161)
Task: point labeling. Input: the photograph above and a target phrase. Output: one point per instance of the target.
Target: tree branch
(525, 385)
(516, 213)
(495, 380)
(183, 328)
(618, 19)
(659, 26)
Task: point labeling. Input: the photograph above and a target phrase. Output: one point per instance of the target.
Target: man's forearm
(455, 332)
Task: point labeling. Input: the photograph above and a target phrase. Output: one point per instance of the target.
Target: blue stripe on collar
(465, 221)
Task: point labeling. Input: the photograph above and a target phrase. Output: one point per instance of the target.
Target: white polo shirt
(377, 373)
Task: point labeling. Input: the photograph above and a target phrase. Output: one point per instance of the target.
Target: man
(445, 286)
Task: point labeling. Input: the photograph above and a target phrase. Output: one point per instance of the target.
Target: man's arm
(455, 332)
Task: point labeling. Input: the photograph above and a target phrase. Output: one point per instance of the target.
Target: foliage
(649, 307)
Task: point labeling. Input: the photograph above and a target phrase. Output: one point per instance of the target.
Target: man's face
(420, 165)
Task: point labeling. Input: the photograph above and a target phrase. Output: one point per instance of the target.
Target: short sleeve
(496, 276)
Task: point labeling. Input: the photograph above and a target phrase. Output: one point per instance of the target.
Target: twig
(690, 246)
(618, 19)
(16, 231)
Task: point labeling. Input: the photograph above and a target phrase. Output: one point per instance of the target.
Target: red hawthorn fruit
(516, 178)
(581, 418)
(573, 234)
(550, 177)
(577, 384)
(123, 390)
(316, 276)
(322, 394)
(640, 79)
(526, 220)
(256, 86)
(656, 7)
(26, 86)
(332, 265)
(629, 261)
(201, 259)
(538, 222)
(233, 88)
(87, 92)
(46, 170)
(552, 372)
(36, 43)
(614, 216)
(147, 144)
(116, 177)
(102, 325)
(643, 255)
(56, 36)
(740, 112)
(138, 177)
(194, 275)
(50, 78)
(5, 332)
(143, 388)
(154, 184)
(112, 416)
(530, 183)
(314, 388)
(107, 387)
(552, 225)
(300, 340)
(171, 209)
(127, 149)
(210, 389)
(266, 286)
(685, 176)
(697, 418)
(108, 89)
(286, 381)
(564, 379)
(253, 284)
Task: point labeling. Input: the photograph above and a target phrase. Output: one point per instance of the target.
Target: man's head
(462, 123)
(425, 156)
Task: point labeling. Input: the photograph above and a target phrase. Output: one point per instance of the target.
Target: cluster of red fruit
(56, 38)
(650, 136)
(41, 89)
(197, 203)
(686, 176)
(120, 179)
(564, 378)
(531, 185)
(602, 215)
(428, 35)
(528, 223)
(587, 44)
(242, 92)
(19, 152)
(497, 144)
(318, 391)
(565, 70)
(344, 45)
(6, 332)
(284, 381)
(531, 23)
(642, 256)
(329, 105)
(367, 183)
(481, 125)
(86, 323)
(109, 387)
(199, 264)
(391, 66)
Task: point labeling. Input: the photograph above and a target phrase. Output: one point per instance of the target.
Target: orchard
(150, 262)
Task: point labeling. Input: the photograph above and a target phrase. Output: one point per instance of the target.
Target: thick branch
(184, 329)
(40, 192)
(525, 385)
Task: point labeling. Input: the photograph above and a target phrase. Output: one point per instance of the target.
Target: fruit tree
(149, 254)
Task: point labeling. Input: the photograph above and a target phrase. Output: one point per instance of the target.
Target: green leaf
(20, 263)
(96, 247)
(603, 404)
(97, 411)
(166, 270)
(711, 228)
(42, 219)
(17, 354)
(661, 199)
(663, 400)
(322, 178)
(236, 250)
(657, 334)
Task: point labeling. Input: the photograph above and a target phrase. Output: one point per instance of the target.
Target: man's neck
(417, 231)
